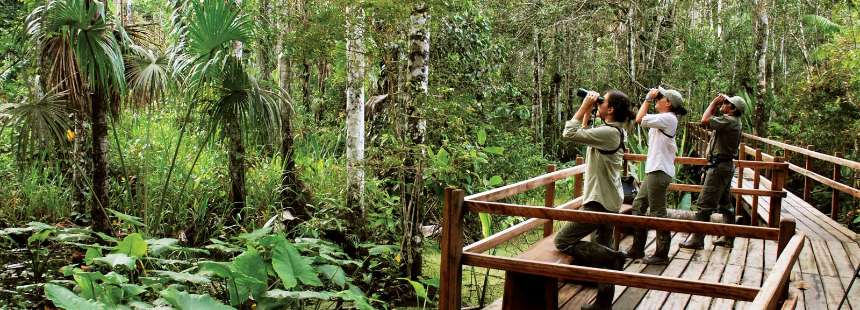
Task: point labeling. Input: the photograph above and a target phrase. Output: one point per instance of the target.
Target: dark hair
(621, 105)
(679, 111)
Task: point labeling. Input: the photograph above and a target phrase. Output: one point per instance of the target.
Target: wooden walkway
(819, 279)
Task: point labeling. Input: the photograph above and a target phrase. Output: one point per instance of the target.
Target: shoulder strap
(620, 144)
(666, 134)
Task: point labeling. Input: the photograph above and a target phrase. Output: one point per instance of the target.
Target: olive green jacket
(602, 172)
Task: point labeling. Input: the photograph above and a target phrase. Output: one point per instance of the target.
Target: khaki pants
(569, 238)
(651, 200)
(716, 193)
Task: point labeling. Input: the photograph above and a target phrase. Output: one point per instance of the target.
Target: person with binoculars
(659, 168)
(602, 191)
(722, 149)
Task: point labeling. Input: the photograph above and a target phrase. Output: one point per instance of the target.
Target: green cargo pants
(651, 200)
(716, 193)
(569, 238)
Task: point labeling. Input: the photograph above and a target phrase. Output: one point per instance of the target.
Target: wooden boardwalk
(823, 271)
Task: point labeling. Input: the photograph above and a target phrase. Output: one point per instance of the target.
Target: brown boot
(655, 260)
(724, 241)
(696, 242)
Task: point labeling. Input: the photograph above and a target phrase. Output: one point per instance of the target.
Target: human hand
(652, 94)
(590, 99)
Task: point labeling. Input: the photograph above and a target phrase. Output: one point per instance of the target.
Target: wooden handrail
(698, 161)
(581, 273)
(503, 236)
(522, 186)
(735, 190)
(773, 287)
(622, 219)
(815, 176)
(833, 159)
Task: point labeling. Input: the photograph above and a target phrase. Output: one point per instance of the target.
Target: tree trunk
(100, 162)
(416, 95)
(537, 100)
(292, 189)
(762, 32)
(631, 47)
(355, 75)
(236, 158)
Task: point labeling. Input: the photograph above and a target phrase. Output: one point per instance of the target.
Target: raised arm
(712, 108)
(643, 110)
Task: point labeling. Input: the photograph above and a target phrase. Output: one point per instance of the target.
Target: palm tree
(81, 54)
(208, 60)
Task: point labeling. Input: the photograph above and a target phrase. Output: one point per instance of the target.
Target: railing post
(756, 182)
(786, 231)
(739, 200)
(578, 180)
(451, 270)
(834, 201)
(786, 152)
(807, 182)
(777, 182)
(549, 201)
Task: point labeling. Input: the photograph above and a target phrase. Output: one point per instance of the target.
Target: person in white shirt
(659, 168)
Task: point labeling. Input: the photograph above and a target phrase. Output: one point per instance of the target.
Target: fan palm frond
(147, 74)
(821, 23)
(41, 119)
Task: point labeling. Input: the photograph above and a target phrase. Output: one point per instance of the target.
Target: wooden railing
(807, 173)
(455, 255)
(700, 140)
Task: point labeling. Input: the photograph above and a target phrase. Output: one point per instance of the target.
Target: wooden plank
(631, 296)
(633, 264)
(813, 297)
(844, 267)
(833, 291)
(731, 274)
(734, 190)
(712, 273)
(522, 186)
(738, 256)
(772, 288)
(769, 255)
(752, 276)
(826, 267)
(622, 219)
(694, 271)
(654, 299)
(700, 161)
(580, 273)
(755, 254)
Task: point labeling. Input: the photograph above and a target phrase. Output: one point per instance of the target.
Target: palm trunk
(355, 119)
(236, 158)
(100, 162)
(413, 217)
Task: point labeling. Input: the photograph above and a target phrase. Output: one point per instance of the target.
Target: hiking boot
(696, 242)
(724, 241)
(655, 260)
(637, 250)
(605, 294)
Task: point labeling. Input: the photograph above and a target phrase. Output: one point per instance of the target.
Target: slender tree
(762, 32)
(355, 76)
(416, 95)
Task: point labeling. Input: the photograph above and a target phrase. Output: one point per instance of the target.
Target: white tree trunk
(762, 34)
(355, 72)
(416, 95)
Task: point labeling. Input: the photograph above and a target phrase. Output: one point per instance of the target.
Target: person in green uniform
(723, 147)
(602, 191)
(659, 168)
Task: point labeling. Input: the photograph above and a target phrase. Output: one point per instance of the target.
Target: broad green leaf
(116, 259)
(130, 219)
(856, 219)
(216, 268)
(495, 181)
(92, 253)
(158, 246)
(183, 277)
(186, 301)
(249, 272)
(442, 158)
(133, 289)
(420, 291)
(482, 136)
(115, 278)
(486, 224)
(281, 294)
(87, 281)
(132, 245)
(66, 299)
(357, 297)
(255, 235)
(40, 236)
(334, 273)
(290, 266)
(383, 249)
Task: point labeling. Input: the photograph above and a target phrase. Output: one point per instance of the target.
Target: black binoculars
(582, 92)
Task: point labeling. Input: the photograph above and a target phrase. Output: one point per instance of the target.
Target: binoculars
(582, 92)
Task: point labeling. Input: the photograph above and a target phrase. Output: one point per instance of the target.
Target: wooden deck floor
(823, 271)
